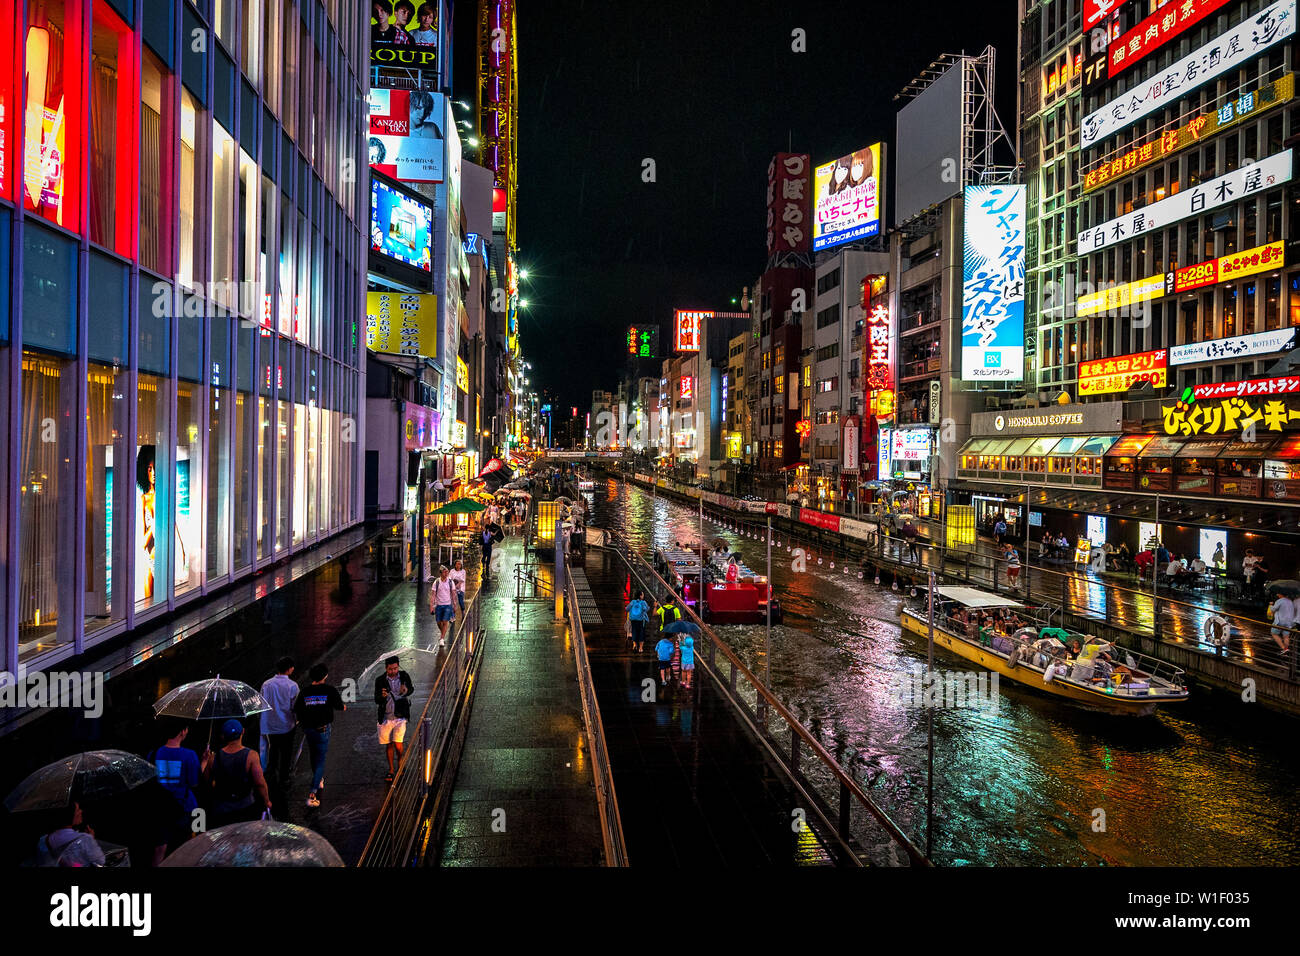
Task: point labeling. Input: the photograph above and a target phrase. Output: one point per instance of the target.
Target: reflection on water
(1037, 781)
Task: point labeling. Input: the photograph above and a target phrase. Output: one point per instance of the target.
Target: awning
(972, 597)
(1041, 446)
(1268, 448)
(1128, 446)
(1097, 445)
(1202, 448)
(1018, 446)
(1068, 445)
(976, 446)
(1287, 450)
(1162, 446)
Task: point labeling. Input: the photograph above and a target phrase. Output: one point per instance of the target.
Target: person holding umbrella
(71, 843)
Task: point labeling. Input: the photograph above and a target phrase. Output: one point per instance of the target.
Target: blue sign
(993, 284)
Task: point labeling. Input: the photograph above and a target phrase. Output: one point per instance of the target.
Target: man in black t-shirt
(315, 709)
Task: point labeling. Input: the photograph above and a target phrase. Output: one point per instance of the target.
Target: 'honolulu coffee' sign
(1097, 419)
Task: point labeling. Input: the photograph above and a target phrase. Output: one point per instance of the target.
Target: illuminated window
(224, 173)
(53, 115)
(188, 267)
(157, 133)
(112, 115)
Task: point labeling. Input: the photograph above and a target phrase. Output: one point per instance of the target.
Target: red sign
(1121, 373)
(1095, 10)
(688, 386)
(880, 372)
(686, 330)
(1153, 32)
(1285, 385)
(1235, 265)
(789, 228)
(820, 519)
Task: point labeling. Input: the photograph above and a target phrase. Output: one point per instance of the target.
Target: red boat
(703, 585)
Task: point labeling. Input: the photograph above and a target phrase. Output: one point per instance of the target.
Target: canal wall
(861, 543)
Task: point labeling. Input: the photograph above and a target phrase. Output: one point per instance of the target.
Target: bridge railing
(402, 816)
(859, 830)
(611, 823)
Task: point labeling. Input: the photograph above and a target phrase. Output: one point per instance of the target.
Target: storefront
(1059, 445)
(910, 452)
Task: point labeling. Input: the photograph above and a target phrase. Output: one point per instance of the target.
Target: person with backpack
(638, 615)
(664, 651)
(234, 776)
(442, 595)
(666, 614)
(1013, 565)
(71, 843)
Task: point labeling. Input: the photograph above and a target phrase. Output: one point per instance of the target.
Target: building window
(112, 118)
(157, 133)
(194, 126)
(224, 173)
(155, 531)
(54, 111)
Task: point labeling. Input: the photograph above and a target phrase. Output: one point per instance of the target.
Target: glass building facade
(181, 278)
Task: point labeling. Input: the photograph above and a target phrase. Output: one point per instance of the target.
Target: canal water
(1034, 782)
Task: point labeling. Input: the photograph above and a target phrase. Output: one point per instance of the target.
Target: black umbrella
(1286, 586)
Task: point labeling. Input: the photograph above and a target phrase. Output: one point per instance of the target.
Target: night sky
(710, 93)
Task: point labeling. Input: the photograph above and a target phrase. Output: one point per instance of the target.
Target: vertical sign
(849, 443)
(936, 392)
(993, 284)
(788, 189)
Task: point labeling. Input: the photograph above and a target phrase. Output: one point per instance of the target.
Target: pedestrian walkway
(524, 793)
(356, 764)
(693, 787)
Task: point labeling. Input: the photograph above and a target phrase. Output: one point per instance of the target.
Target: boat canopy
(973, 597)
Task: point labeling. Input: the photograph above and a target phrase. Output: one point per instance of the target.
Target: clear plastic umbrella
(211, 699)
(413, 660)
(83, 777)
(258, 843)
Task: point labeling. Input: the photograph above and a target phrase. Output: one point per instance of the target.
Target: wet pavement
(524, 793)
(1212, 783)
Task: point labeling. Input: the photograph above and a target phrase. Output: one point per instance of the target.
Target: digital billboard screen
(404, 33)
(993, 284)
(401, 233)
(406, 140)
(848, 198)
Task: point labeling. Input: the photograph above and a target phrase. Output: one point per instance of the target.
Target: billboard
(1239, 346)
(1152, 33)
(1236, 265)
(400, 226)
(1237, 48)
(1121, 297)
(848, 198)
(643, 341)
(788, 190)
(402, 323)
(1283, 385)
(406, 139)
(686, 330)
(404, 34)
(1119, 374)
(1191, 201)
(1199, 128)
(993, 284)
(929, 138)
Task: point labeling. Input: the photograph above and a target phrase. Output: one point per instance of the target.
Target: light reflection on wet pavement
(1213, 783)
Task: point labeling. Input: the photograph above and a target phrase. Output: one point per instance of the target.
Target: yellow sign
(960, 526)
(1120, 296)
(1198, 128)
(1229, 416)
(462, 374)
(402, 323)
(458, 434)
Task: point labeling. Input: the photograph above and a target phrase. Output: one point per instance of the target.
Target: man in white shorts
(392, 695)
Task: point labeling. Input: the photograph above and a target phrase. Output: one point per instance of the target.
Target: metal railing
(392, 840)
(1141, 613)
(863, 832)
(611, 824)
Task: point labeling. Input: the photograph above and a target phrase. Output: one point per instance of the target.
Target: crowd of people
(674, 651)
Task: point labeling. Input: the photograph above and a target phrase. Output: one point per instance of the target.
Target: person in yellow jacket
(665, 614)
